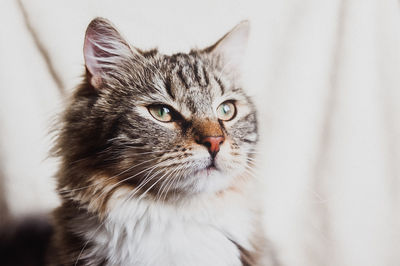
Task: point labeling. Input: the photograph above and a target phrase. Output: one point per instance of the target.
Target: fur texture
(140, 191)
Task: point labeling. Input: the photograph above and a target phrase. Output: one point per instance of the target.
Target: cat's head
(155, 124)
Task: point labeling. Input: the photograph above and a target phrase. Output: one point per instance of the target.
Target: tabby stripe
(248, 141)
(168, 88)
(200, 76)
(220, 85)
(221, 124)
(206, 75)
(183, 79)
(196, 72)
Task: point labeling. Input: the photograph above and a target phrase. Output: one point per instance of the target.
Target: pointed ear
(232, 46)
(103, 49)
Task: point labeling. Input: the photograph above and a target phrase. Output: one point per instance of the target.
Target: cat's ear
(232, 46)
(104, 47)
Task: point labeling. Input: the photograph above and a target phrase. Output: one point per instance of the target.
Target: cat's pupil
(226, 109)
(162, 111)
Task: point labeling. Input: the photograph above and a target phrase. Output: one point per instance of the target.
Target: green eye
(226, 111)
(161, 113)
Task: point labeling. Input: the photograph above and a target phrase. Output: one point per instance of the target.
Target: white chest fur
(193, 234)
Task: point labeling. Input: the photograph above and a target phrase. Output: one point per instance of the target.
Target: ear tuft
(104, 47)
(232, 46)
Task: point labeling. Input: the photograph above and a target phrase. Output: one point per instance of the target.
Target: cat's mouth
(209, 169)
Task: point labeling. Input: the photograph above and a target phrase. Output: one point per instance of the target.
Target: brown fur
(106, 143)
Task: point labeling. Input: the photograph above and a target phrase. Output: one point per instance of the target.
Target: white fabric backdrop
(325, 75)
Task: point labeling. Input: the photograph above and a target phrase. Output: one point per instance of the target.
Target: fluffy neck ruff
(205, 230)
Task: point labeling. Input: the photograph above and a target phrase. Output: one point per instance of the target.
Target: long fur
(137, 191)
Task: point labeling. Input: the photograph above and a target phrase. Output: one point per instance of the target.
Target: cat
(156, 157)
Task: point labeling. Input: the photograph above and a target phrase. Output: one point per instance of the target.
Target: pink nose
(212, 144)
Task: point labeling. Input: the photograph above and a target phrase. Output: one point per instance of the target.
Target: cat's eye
(160, 112)
(226, 111)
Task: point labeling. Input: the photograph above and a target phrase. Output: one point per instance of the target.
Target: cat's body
(155, 156)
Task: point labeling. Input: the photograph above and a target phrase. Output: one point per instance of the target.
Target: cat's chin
(208, 171)
(210, 179)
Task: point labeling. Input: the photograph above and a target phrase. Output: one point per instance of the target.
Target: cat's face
(161, 125)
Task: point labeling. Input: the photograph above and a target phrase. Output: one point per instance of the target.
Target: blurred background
(324, 74)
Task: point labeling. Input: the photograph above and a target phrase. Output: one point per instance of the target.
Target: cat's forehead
(194, 82)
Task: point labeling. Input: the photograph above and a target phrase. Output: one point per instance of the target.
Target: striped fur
(123, 171)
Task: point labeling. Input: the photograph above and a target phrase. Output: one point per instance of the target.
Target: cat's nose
(212, 144)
